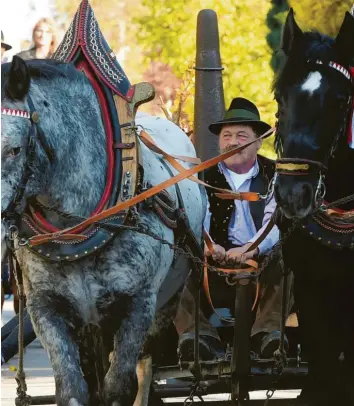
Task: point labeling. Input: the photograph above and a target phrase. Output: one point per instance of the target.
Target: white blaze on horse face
(312, 82)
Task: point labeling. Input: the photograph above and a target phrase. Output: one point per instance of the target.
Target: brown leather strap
(253, 265)
(208, 295)
(149, 142)
(266, 231)
(186, 173)
(124, 145)
(249, 196)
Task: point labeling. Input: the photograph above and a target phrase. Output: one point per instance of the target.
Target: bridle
(35, 135)
(303, 167)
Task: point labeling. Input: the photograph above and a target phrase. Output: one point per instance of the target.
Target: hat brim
(261, 126)
(6, 46)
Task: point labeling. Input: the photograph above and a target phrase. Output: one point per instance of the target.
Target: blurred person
(44, 38)
(4, 47)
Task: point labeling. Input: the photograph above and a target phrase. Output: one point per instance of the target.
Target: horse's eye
(14, 151)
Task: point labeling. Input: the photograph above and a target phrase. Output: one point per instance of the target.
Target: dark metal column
(209, 104)
(240, 362)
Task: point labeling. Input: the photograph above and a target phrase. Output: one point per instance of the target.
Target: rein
(68, 233)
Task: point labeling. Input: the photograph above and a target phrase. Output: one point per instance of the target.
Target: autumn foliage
(156, 39)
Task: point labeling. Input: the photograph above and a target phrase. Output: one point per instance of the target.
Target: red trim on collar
(39, 219)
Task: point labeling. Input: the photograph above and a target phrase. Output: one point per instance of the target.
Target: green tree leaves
(164, 31)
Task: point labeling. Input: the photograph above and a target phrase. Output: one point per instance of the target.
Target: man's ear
(259, 144)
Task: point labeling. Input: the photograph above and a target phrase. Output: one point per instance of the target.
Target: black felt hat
(241, 111)
(3, 43)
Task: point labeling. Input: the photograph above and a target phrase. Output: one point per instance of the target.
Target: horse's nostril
(306, 196)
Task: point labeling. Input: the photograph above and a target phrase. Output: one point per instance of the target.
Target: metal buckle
(270, 190)
(12, 232)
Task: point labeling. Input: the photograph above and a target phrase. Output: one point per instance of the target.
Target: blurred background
(154, 41)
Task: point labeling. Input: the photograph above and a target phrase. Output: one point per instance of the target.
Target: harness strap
(252, 267)
(208, 295)
(249, 196)
(186, 173)
(22, 399)
(149, 142)
(264, 234)
(38, 132)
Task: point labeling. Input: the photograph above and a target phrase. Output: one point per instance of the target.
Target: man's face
(2, 52)
(236, 135)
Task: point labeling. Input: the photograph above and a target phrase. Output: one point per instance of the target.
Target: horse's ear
(19, 80)
(291, 33)
(344, 44)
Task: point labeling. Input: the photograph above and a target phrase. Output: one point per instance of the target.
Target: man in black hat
(233, 226)
(4, 46)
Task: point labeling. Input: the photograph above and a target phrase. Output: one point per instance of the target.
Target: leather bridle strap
(39, 135)
(186, 173)
(298, 166)
(35, 133)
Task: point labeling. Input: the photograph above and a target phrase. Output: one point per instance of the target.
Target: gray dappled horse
(116, 290)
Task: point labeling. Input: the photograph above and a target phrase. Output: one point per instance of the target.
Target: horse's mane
(314, 46)
(42, 69)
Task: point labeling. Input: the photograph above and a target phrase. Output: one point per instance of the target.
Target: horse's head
(314, 93)
(24, 152)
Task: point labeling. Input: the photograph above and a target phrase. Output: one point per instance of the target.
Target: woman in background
(44, 39)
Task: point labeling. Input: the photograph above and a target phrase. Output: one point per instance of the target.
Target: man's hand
(218, 253)
(238, 255)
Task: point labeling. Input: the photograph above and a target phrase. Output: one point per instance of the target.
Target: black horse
(314, 91)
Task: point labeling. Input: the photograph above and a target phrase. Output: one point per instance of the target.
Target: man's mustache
(229, 147)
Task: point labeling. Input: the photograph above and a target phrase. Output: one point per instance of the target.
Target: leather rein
(69, 233)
